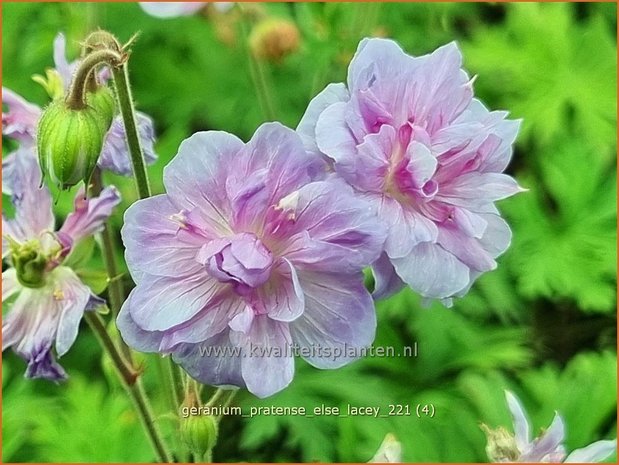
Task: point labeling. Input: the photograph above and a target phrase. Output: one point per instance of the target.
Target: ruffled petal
(21, 119)
(216, 361)
(268, 365)
(195, 180)
(339, 319)
(153, 243)
(32, 200)
(336, 230)
(386, 280)
(331, 94)
(71, 297)
(90, 214)
(162, 302)
(282, 296)
(432, 271)
(132, 334)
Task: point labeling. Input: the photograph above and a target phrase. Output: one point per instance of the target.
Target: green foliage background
(543, 324)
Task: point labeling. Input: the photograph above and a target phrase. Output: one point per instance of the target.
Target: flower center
(241, 260)
(30, 263)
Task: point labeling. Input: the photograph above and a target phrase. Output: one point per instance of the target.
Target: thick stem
(125, 101)
(76, 97)
(132, 384)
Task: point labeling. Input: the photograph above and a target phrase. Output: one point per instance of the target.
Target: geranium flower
(247, 255)
(46, 298)
(548, 447)
(175, 9)
(20, 122)
(390, 451)
(408, 135)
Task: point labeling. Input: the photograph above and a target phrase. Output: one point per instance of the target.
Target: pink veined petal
(154, 243)
(477, 189)
(269, 368)
(195, 178)
(386, 280)
(33, 203)
(162, 302)
(406, 227)
(332, 230)
(465, 248)
(339, 317)
(21, 119)
(209, 322)
(132, 334)
(71, 297)
(216, 361)
(432, 271)
(283, 296)
(522, 429)
(596, 452)
(333, 136)
(331, 94)
(90, 214)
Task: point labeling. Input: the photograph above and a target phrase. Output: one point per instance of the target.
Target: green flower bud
(199, 433)
(69, 142)
(104, 102)
(30, 263)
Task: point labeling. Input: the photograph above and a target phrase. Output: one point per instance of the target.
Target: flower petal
(432, 271)
(171, 9)
(215, 361)
(132, 334)
(282, 296)
(339, 318)
(152, 241)
(162, 302)
(331, 94)
(547, 443)
(386, 280)
(268, 366)
(71, 296)
(522, 429)
(335, 231)
(596, 452)
(90, 214)
(195, 178)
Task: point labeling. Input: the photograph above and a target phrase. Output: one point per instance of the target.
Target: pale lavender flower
(548, 447)
(20, 122)
(175, 9)
(248, 254)
(45, 298)
(408, 135)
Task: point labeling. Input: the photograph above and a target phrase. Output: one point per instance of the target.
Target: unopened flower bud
(104, 102)
(274, 38)
(199, 433)
(30, 263)
(69, 142)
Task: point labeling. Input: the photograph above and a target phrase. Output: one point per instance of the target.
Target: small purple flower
(548, 447)
(247, 255)
(175, 9)
(46, 299)
(22, 118)
(408, 135)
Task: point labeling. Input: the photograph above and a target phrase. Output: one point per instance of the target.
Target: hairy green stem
(76, 97)
(131, 383)
(125, 101)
